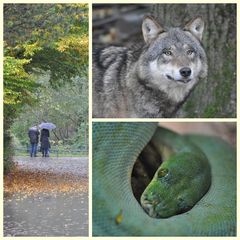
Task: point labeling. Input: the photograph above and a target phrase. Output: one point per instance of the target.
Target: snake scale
(116, 212)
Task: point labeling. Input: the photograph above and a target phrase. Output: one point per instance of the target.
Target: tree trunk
(216, 95)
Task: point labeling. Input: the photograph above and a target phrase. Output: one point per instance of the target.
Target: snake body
(116, 212)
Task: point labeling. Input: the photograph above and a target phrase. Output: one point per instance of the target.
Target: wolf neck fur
(146, 95)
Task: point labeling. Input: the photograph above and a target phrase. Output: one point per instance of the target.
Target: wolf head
(174, 59)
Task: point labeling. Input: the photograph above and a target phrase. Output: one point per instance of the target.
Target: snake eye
(162, 172)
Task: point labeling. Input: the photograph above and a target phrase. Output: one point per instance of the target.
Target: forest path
(47, 197)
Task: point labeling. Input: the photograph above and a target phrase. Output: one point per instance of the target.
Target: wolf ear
(150, 29)
(196, 27)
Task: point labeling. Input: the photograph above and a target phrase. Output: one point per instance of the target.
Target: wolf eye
(167, 52)
(190, 52)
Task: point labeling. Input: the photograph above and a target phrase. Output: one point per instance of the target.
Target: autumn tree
(40, 39)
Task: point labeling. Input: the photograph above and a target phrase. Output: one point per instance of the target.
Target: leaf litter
(29, 182)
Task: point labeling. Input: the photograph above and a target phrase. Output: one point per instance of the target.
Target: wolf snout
(185, 72)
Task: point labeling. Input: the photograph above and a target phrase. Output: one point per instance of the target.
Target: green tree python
(192, 193)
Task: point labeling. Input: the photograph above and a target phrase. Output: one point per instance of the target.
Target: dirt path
(47, 197)
(73, 165)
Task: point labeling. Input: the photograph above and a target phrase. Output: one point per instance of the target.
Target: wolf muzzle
(185, 72)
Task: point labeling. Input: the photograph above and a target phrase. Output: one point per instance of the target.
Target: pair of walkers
(33, 134)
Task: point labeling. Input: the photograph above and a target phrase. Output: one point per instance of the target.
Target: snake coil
(203, 190)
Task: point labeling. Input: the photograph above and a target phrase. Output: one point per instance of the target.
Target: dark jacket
(44, 139)
(33, 135)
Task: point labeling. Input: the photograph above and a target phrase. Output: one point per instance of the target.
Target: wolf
(151, 80)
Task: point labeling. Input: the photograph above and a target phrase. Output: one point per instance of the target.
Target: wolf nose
(185, 72)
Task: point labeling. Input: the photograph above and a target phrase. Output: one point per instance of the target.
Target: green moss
(218, 89)
(190, 108)
(211, 111)
(225, 80)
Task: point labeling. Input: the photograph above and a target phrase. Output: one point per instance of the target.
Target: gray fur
(150, 81)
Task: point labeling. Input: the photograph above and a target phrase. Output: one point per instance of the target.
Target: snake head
(176, 187)
(154, 202)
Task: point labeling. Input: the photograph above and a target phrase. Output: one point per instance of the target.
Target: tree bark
(214, 97)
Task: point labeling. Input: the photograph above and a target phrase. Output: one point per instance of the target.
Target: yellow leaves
(18, 62)
(29, 182)
(75, 47)
(74, 42)
(15, 67)
(58, 29)
(11, 98)
(80, 5)
(37, 32)
(59, 6)
(31, 49)
(119, 217)
(61, 47)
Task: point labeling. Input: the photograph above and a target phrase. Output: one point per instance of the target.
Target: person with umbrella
(33, 134)
(45, 144)
(44, 139)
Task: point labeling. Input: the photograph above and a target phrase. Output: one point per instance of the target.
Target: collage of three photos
(131, 132)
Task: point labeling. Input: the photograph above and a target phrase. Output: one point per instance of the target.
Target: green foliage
(18, 84)
(18, 91)
(40, 40)
(8, 152)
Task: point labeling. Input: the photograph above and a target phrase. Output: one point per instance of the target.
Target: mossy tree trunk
(216, 95)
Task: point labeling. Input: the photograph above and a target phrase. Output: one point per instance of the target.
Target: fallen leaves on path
(29, 182)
